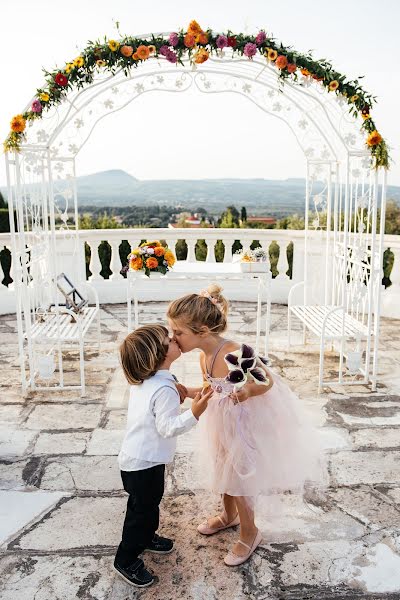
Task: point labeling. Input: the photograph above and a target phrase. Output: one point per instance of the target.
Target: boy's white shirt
(154, 421)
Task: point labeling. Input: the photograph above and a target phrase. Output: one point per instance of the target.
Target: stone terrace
(61, 503)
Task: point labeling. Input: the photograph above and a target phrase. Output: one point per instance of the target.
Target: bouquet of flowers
(151, 257)
(256, 255)
(245, 366)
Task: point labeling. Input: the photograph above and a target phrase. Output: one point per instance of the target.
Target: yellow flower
(374, 138)
(170, 258)
(365, 116)
(354, 98)
(69, 67)
(136, 251)
(201, 56)
(44, 97)
(18, 124)
(101, 63)
(113, 45)
(79, 61)
(333, 85)
(272, 54)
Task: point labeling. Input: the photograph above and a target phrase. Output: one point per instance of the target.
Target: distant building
(188, 220)
(259, 219)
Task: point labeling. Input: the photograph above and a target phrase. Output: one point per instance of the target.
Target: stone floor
(61, 503)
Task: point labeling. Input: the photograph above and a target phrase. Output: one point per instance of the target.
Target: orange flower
(170, 258)
(152, 49)
(136, 263)
(365, 116)
(305, 72)
(18, 124)
(143, 52)
(135, 56)
(201, 56)
(272, 54)
(281, 62)
(374, 138)
(202, 38)
(126, 51)
(152, 263)
(291, 67)
(159, 251)
(333, 85)
(194, 28)
(189, 40)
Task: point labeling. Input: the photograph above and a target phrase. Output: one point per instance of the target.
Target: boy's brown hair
(142, 352)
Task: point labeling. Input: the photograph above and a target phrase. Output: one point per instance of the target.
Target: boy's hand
(200, 402)
(182, 391)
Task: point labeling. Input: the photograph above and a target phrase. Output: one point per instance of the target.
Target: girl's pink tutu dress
(264, 445)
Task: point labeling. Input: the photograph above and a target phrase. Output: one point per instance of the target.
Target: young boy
(154, 421)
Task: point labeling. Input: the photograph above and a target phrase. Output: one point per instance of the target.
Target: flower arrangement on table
(151, 257)
(256, 255)
(245, 366)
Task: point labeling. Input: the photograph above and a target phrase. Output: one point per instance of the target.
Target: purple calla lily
(231, 359)
(264, 360)
(247, 363)
(236, 376)
(247, 351)
(259, 376)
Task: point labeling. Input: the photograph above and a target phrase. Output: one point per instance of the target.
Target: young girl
(254, 440)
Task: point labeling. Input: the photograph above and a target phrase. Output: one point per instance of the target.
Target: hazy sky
(189, 135)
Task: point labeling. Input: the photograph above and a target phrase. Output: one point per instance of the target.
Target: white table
(204, 273)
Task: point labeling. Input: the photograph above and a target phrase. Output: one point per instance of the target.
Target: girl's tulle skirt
(265, 445)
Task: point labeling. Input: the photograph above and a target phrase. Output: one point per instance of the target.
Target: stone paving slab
(339, 543)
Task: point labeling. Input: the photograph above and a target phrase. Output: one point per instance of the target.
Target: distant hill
(113, 188)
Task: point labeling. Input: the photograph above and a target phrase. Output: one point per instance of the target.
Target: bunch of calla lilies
(245, 366)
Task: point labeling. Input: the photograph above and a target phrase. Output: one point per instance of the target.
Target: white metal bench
(331, 324)
(62, 329)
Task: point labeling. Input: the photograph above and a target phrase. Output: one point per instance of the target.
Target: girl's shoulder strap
(216, 352)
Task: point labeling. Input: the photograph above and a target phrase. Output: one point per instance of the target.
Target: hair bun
(215, 290)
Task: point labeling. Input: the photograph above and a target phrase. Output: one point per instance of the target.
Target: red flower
(232, 41)
(61, 80)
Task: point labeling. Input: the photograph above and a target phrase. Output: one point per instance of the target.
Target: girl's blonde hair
(142, 352)
(197, 311)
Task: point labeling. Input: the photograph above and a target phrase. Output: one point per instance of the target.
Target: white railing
(71, 260)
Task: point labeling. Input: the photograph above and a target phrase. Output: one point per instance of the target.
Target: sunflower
(113, 45)
(333, 85)
(272, 54)
(354, 98)
(18, 124)
(44, 97)
(69, 67)
(101, 63)
(79, 61)
(374, 138)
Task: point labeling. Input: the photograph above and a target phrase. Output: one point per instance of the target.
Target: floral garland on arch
(198, 45)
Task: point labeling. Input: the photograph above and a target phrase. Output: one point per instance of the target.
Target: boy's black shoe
(136, 574)
(160, 545)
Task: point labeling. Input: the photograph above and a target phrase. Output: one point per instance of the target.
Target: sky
(191, 135)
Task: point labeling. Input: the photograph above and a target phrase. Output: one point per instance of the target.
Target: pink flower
(222, 41)
(250, 50)
(173, 39)
(171, 56)
(36, 106)
(163, 50)
(261, 37)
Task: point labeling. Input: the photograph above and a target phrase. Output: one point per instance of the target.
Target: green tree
(3, 203)
(243, 215)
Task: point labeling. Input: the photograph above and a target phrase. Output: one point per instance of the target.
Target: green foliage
(3, 203)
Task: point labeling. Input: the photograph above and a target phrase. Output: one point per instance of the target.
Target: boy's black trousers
(145, 489)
